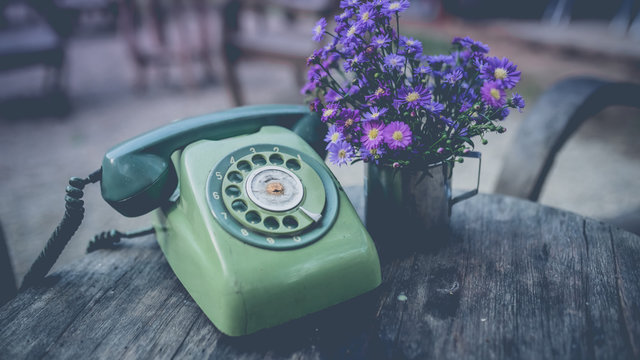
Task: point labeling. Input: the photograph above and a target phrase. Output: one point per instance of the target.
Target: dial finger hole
(244, 165)
(258, 160)
(290, 222)
(271, 223)
(235, 176)
(232, 191)
(253, 217)
(239, 205)
(276, 159)
(293, 164)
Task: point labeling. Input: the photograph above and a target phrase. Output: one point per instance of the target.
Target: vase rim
(428, 166)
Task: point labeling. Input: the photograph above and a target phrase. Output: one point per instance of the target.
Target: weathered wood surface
(514, 280)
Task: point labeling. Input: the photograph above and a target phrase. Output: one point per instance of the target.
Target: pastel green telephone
(250, 219)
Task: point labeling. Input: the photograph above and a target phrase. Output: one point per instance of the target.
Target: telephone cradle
(250, 219)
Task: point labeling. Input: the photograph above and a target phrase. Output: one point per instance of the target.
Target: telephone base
(244, 285)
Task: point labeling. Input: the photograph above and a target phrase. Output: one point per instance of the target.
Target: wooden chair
(7, 280)
(158, 34)
(550, 123)
(36, 39)
(288, 42)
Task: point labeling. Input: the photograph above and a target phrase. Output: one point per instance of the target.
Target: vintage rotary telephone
(250, 219)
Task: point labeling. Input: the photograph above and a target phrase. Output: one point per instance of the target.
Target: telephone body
(250, 219)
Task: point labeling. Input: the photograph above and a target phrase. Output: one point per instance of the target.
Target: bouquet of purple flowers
(386, 102)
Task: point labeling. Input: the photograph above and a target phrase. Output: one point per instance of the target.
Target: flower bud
(460, 160)
(440, 150)
(466, 151)
(448, 142)
(485, 141)
(413, 113)
(396, 164)
(377, 75)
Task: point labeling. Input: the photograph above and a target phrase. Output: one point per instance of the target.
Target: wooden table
(515, 280)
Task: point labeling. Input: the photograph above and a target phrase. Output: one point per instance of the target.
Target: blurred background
(79, 76)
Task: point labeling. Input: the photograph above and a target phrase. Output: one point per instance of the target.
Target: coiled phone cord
(73, 216)
(107, 239)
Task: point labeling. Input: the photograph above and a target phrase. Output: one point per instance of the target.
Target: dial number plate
(272, 197)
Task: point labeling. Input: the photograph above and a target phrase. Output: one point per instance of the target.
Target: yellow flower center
(500, 74)
(375, 115)
(397, 135)
(394, 62)
(348, 123)
(394, 5)
(380, 91)
(352, 30)
(373, 151)
(365, 16)
(412, 96)
(318, 29)
(335, 137)
(410, 42)
(327, 112)
(373, 134)
(380, 41)
(495, 93)
(342, 154)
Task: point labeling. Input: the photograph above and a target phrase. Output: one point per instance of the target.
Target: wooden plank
(514, 280)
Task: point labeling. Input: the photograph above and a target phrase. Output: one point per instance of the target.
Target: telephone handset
(250, 219)
(137, 175)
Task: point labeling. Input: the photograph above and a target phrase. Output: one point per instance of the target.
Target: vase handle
(470, 193)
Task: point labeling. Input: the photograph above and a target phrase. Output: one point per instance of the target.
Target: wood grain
(513, 280)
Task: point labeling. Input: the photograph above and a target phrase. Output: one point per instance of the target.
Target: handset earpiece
(137, 183)
(138, 176)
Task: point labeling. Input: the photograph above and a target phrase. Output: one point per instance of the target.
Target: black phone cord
(73, 216)
(108, 239)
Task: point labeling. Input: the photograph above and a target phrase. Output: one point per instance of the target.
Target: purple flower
(353, 62)
(397, 135)
(394, 61)
(501, 70)
(367, 15)
(319, 29)
(517, 102)
(381, 91)
(414, 98)
(330, 111)
(349, 37)
(332, 96)
(349, 3)
(395, 6)
(438, 61)
(469, 43)
(434, 107)
(421, 71)
(453, 76)
(373, 154)
(493, 94)
(372, 134)
(504, 112)
(340, 153)
(342, 17)
(348, 120)
(411, 46)
(333, 136)
(380, 41)
(374, 114)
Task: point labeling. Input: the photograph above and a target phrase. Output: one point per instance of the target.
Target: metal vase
(411, 206)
